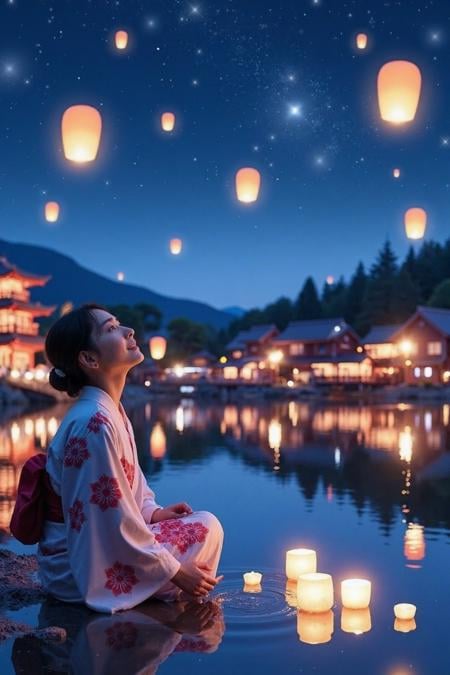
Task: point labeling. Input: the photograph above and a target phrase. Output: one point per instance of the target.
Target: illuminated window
(434, 348)
(417, 372)
(428, 371)
(296, 348)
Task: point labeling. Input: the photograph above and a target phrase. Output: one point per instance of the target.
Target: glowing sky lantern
(120, 276)
(248, 182)
(415, 223)
(121, 39)
(330, 280)
(175, 246)
(361, 40)
(157, 442)
(81, 129)
(51, 212)
(158, 346)
(399, 84)
(168, 121)
(396, 173)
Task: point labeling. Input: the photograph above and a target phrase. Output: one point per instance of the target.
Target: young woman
(117, 546)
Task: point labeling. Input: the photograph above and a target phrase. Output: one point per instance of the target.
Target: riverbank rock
(19, 585)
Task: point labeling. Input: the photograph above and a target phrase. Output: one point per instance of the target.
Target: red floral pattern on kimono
(179, 534)
(186, 645)
(76, 452)
(120, 578)
(105, 492)
(121, 635)
(76, 515)
(96, 422)
(129, 470)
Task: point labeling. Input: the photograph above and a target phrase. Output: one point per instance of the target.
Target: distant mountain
(235, 311)
(72, 282)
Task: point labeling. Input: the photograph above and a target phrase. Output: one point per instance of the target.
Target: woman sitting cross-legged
(114, 546)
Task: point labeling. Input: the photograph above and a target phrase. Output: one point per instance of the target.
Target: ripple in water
(260, 612)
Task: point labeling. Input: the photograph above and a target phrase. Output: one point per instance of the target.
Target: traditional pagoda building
(19, 332)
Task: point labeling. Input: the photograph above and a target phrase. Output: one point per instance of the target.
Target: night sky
(275, 85)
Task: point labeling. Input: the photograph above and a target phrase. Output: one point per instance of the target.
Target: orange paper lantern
(248, 182)
(81, 129)
(51, 212)
(361, 40)
(396, 173)
(168, 121)
(121, 39)
(158, 346)
(415, 223)
(175, 246)
(399, 85)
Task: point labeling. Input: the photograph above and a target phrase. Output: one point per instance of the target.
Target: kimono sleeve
(148, 505)
(114, 557)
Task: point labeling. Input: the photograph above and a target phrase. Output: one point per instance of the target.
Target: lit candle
(404, 611)
(315, 592)
(300, 561)
(252, 588)
(252, 578)
(356, 621)
(355, 593)
(404, 625)
(315, 629)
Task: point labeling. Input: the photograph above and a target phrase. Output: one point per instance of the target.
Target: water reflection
(134, 641)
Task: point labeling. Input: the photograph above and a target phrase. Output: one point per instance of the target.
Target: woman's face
(116, 346)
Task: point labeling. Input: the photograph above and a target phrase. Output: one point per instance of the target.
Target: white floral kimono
(106, 553)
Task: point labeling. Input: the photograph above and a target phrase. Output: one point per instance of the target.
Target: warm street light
(406, 347)
(276, 356)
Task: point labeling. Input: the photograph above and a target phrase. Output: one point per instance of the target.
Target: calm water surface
(367, 487)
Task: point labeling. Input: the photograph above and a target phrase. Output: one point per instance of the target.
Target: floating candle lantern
(356, 621)
(315, 592)
(404, 610)
(175, 246)
(315, 629)
(168, 121)
(248, 181)
(404, 625)
(399, 85)
(81, 129)
(415, 223)
(51, 212)
(361, 40)
(252, 588)
(158, 346)
(121, 39)
(300, 561)
(252, 578)
(355, 593)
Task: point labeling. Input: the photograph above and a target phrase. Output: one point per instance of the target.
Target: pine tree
(441, 295)
(405, 297)
(334, 298)
(308, 304)
(355, 296)
(377, 300)
(279, 312)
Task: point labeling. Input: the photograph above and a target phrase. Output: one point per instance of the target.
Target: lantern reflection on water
(414, 543)
(158, 441)
(356, 621)
(315, 629)
(405, 444)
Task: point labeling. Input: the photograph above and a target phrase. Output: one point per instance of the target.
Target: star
(295, 110)
(445, 141)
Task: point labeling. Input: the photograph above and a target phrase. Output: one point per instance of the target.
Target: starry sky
(279, 86)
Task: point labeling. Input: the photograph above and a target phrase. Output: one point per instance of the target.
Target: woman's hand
(173, 511)
(195, 579)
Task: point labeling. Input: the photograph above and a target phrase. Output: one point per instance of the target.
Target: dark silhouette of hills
(72, 282)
